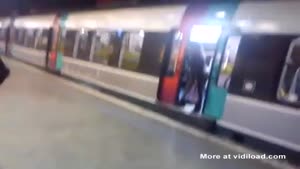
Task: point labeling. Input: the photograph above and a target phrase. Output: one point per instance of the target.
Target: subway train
(250, 52)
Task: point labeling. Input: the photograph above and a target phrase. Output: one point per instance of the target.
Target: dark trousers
(200, 87)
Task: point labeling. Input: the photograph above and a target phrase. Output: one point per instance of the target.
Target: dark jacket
(4, 71)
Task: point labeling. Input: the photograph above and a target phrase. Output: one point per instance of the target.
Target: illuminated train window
(42, 39)
(20, 36)
(131, 50)
(103, 47)
(228, 61)
(30, 38)
(2, 34)
(289, 88)
(68, 39)
(84, 45)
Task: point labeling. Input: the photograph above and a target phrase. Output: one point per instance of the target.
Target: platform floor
(48, 124)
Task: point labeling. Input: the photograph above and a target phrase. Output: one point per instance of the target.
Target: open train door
(216, 94)
(174, 55)
(203, 23)
(170, 73)
(54, 59)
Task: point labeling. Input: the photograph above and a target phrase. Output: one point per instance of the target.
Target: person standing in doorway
(197, 75)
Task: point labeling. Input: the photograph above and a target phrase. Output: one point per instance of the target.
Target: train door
(220, 76)
(204, 26)
(197, 62)
(55, 56)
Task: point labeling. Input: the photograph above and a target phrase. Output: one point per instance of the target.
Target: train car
(31, 38)
(250, 59)
(122, 54)
(264, 88)
(142, 57)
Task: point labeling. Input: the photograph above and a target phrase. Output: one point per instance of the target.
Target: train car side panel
(270, 122)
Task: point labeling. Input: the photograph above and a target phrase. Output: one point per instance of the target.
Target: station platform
(52, 123)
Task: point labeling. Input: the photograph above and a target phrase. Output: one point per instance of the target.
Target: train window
(30, 37)
(37, 36)
(2, 34)
(152, 53)
(20, 38)
(131, 50)
(68, 38)
(84, 45)
(228, 61)
(16, 36)
(107, 48)
(102, 48)
(175, 52)
(42, 39)
(289, 88)
(258, 65)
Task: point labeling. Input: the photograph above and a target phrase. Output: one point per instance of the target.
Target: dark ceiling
(8, 7)
(24, 7)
